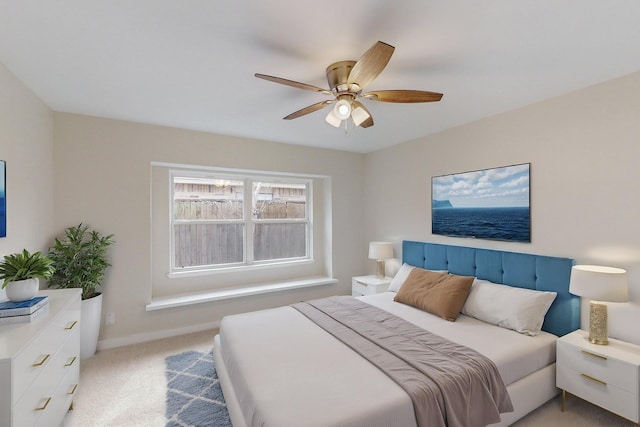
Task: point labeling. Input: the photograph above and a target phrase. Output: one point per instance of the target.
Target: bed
(279, 368)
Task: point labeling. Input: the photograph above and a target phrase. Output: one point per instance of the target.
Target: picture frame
(492, 204)
(3, 198)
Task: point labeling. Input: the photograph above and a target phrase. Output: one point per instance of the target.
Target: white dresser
(40, 364)
(605, 375)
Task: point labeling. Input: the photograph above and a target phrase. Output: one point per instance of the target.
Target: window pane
(207, 244)
(207, 198)
(279, 200)
(276, 241)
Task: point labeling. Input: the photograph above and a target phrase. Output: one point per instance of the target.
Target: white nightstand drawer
(369, 285)
(359, 289)
(598, 365)
(598, 392)
(605, 375)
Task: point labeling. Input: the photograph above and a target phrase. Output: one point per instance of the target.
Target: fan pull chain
(346, 126)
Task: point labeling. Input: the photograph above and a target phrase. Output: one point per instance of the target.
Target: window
(226, 220)
(219, 233)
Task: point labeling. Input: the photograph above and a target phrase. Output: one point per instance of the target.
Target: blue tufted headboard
(529, 271)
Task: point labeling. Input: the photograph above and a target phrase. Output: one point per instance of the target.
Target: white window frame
(248, 220)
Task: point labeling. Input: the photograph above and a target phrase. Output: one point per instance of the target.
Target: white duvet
(286, 371)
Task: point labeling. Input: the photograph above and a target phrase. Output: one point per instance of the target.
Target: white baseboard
(151, 336)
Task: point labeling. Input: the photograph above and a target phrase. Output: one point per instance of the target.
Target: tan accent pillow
(441, 294)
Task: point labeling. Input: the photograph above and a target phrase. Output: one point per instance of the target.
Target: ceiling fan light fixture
(342, 109)
(359, 115)
(332, 119)
(347, 80)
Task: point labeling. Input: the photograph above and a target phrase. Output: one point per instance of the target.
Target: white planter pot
(90, 315)
(22, 290)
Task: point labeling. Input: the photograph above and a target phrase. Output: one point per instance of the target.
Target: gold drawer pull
(40, 363)
(73, 360)
(593, 379)
(73, 390)
(588, 353)
(71, 326)
(43, 407)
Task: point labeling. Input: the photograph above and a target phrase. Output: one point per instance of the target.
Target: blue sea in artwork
(3, 218)
(512, 224)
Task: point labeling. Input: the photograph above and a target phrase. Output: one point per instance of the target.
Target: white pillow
(520, 309)
(402, 275)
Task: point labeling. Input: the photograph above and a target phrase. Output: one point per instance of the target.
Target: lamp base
(598, 323)
(380, 274)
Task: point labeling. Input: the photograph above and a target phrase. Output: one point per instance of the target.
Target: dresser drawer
(39, 364)
(605, 395)
(67, 379)
(39, 398)
(601, 367)
(33, 360)
(60, 402)
(38, 354)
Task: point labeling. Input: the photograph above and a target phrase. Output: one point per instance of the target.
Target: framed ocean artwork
(489, 204)
(3, 199)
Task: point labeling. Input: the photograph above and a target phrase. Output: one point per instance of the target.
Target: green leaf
(80, 259)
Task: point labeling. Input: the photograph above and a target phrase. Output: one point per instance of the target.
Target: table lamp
(599, 284)
(380, 251)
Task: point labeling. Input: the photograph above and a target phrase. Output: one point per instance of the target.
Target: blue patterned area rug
(194, 396)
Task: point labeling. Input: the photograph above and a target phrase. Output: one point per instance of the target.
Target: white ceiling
(191, 63)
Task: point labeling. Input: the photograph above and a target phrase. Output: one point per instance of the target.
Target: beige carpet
(126, 387)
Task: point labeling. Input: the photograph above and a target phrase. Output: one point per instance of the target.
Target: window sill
(237, 268)
(222, 294)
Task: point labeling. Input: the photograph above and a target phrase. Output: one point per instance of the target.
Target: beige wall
(103, 170)
(584, 150)
(26, 144)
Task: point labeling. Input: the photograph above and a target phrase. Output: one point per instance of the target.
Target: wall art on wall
(3, 199)
(485, 204)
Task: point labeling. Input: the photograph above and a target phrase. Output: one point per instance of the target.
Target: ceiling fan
(347, 79)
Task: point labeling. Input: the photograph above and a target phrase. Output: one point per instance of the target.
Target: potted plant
(80, 261)
(21, 272)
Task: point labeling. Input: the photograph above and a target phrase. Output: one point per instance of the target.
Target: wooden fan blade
(292, 83)
(370, 64)
(362, 117)
(310, 109)
(403, 96)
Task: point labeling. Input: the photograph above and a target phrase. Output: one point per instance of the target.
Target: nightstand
(368, 285)
(605, 375)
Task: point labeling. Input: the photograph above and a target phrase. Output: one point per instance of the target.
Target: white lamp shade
(342, 109)
(380, 250)
(359, 115)
(599, 283)
(332, 119)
